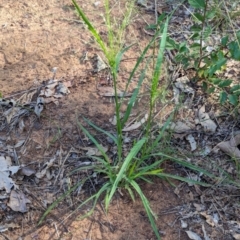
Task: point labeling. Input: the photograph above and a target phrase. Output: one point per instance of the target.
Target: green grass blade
(119, 57)
(102, 166)
(185, 164)
(109, 25)
(134, 96)
(160, 135)
(100, 160)
(153, 172)
(115, 67)
(140, 59)
(147, 167)
(146, 179)
(157, 70)
(187, 180)
(94, 141)
(95, 197)
(90, 27)
(147, 207)
(100, 130)
(132, 168)
(106, 199)
(133, 152)
(130, 193)
(55, 203)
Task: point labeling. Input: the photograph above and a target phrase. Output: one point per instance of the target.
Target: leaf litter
(18, 201)
(15, 110)
(6, 171)
(230, 147)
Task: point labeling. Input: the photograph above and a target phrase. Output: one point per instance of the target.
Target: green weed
(208, 62)
(145, 158)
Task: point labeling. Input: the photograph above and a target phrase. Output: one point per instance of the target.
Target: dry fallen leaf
(182, 84)
(55, 89)
(176, 94)
(5, 169)
(136, 125)
(19, 143)
(11, 113)
(39, 106)
(193, 235)
(5, 227)
(27, 171)
(192, 142)
(236, 236)
(94, 151)
(26, 98)
(204, 152)
(18, 201)
(209, 219)
(204, 119)
(113, 120)
(48, 199)
(198, 207)
(183, 224)
(100, 64)
(180, 127)
(205, 233)
(231, 147)
(46, 166)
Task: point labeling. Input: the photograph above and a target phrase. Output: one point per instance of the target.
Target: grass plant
(144, 160)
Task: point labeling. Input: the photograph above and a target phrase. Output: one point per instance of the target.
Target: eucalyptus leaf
(199, 17)
(198, 4)
(225, 83)
(234, 50)
(224, 41)
(233, 99)
(223, 97)
(211, 90)
(235, 88)
(210, 14)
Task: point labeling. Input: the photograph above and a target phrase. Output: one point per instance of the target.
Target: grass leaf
(90, 27)
(96, 196)
(198, 4)
(130, 192)
(133, 97)
(133, 152)
(119, 57)
(55, 203)
(187, 180)
(101, 130)
(94, 141)
(147, 207)
(157, 70)
(160, 135)
(185, 164)
(141, 58)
